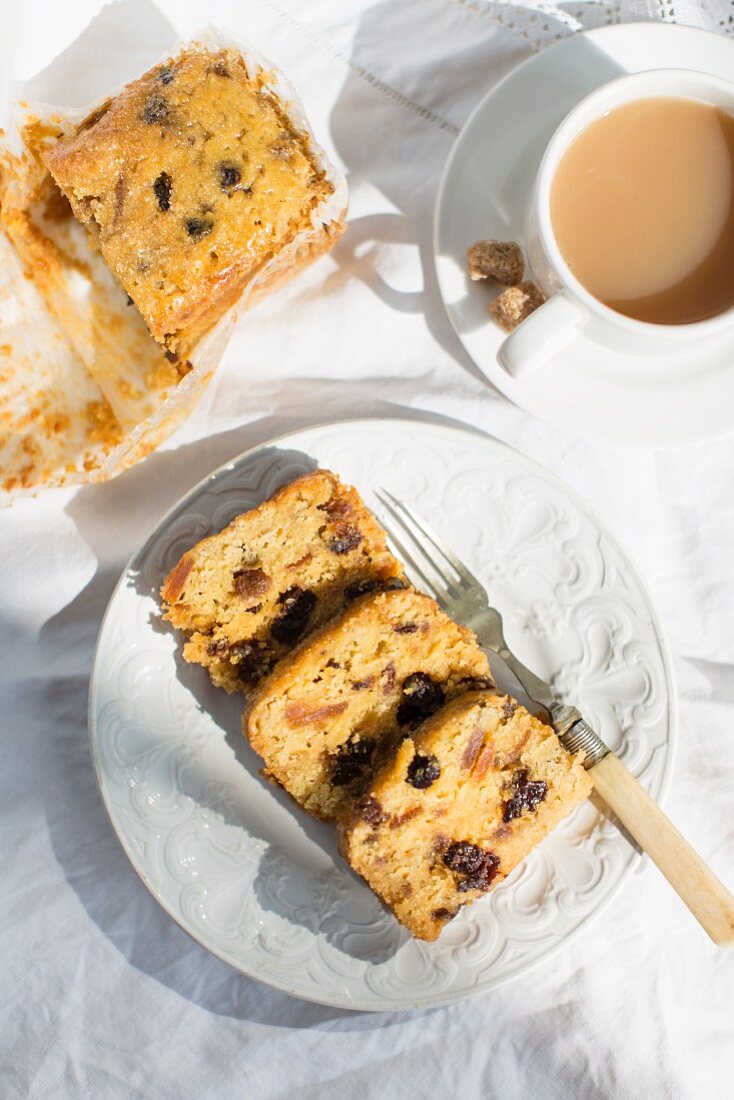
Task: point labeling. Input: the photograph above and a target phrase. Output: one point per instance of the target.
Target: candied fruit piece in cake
(499, 260)
(493, 781)
(192, 179)
(515, 304)
(245, 596)
(327, 714)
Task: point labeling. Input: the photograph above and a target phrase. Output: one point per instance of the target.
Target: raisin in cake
(245, 596)
(326, 714)
(192, 179)
(465, 797)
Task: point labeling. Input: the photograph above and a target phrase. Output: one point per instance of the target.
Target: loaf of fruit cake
(464, 799)
(193, 179)
(246, 595)
(328, 713)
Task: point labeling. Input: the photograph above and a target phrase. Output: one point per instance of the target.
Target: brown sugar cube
(499, 260)
(515, 304)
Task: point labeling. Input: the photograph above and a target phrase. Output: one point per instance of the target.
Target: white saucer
(485, 193)
(237, 863)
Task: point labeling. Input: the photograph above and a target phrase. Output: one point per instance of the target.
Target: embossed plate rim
(458, 429)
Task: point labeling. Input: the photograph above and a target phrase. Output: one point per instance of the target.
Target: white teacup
(570, 309)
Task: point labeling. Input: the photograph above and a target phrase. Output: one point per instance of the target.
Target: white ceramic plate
(485, 193)
(237, 864)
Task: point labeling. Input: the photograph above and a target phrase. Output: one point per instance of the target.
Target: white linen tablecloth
(101, 995)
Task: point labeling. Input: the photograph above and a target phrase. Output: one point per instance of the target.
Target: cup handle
(542, 335)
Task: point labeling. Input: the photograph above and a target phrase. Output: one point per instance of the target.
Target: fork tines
(448, 582)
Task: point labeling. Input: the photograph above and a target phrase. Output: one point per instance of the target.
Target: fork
(462, 596)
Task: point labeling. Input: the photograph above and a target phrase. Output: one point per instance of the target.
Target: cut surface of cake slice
(324, 717)
(192, 179)
(463, 800)
(246, 596)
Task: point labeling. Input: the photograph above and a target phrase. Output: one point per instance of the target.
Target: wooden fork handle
(705, 895)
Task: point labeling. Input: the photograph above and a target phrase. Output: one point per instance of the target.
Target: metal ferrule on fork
(576, 735)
